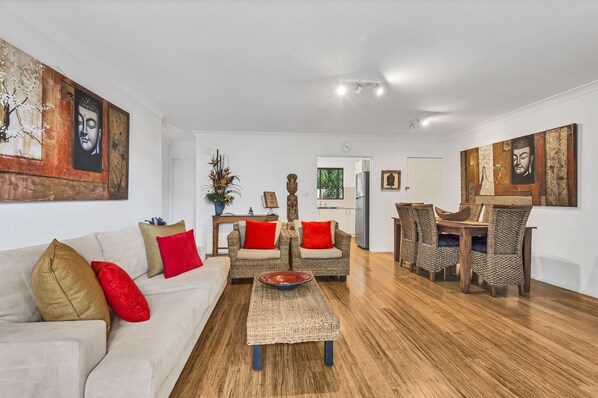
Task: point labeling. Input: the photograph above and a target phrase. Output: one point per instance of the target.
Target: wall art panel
(58, 140)
(540, 169)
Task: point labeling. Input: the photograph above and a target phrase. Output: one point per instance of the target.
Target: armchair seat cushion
(479, 244)
(445, 240)
(321, 253)
(258, 254)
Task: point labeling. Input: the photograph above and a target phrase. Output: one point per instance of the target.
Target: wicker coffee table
(295, 316)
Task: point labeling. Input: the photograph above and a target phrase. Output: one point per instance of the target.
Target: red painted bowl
(285, 280)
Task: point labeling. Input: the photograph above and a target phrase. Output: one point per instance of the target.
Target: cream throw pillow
(66, 288)
(152, 251)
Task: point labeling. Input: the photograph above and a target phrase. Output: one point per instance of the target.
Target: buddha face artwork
(88, 132)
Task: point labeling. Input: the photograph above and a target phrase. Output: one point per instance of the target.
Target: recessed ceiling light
(341, 90)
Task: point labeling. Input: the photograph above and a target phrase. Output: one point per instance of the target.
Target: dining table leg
(465, 259)
(398, 242)
(527, 259)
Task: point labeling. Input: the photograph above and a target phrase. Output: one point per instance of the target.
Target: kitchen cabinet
(344, 217)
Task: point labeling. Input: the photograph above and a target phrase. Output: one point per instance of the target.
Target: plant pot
(218, 208)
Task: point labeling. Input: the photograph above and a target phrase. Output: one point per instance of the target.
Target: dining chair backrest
(487, 211)
(476, 210)
(426, 224)
(408, 227)
(506, 229)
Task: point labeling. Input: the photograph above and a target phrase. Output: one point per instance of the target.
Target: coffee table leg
(257, 357)
(328, 353)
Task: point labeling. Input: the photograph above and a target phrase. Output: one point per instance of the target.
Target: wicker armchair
(476, 210)
(324, 262)
(499, 258)
(245, 263)
(408, 251)
(434, 252)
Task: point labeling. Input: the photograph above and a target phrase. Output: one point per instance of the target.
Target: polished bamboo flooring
(403, 336)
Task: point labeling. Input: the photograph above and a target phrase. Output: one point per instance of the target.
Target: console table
(230, 219)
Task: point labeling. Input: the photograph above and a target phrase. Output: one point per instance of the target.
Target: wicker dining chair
(476, 210)
(408, 237)
(487, 211)
(434, 252)
(499, 258)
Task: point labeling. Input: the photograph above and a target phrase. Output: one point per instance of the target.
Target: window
(330, 183)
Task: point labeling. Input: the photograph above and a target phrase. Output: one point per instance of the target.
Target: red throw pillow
(122, 294)
(316, 235)
(259, 235)
(179, 253)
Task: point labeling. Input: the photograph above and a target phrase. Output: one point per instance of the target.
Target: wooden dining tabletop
(466, 230)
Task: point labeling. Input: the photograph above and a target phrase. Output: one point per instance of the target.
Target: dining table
(466, 230)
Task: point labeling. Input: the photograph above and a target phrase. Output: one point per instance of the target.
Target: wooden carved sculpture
(292, 204)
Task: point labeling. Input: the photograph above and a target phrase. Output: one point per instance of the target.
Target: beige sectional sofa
(74, 358)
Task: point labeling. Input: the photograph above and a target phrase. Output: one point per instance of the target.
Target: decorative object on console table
(270, 202)
(58, 140)
(156, 221)
(292, 202)
(390, 180)
(538, 169)
(222, 187)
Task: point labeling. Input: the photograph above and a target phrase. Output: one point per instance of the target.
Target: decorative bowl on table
(285, 280)
(461, 215)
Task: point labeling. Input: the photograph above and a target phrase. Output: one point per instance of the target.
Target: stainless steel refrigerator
(362, 209)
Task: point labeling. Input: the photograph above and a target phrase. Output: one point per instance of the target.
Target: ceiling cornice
(527, 109)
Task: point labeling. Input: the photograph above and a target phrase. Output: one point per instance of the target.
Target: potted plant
(222, 188)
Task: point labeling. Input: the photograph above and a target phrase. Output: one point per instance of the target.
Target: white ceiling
(272, 66)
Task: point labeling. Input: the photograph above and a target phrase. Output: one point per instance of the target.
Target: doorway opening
(343, 192)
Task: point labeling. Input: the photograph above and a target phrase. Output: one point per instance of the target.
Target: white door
(424, 180)
(183, 192)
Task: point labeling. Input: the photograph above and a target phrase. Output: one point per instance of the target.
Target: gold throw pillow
(152, 251)
(66, 288)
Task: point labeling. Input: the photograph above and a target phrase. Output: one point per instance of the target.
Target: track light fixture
(423, 121)
(376, 85)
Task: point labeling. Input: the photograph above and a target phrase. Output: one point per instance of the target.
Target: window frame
(318, 183)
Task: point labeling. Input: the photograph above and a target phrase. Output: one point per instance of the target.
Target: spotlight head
(425, 122)
(341, 90)
(379, 90)
(358, 89)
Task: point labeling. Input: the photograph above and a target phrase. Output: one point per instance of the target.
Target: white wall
(263, 162)
(26, 224)
(565, 245)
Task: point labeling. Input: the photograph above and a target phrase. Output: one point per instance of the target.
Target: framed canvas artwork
(58, 140)
(391, 180)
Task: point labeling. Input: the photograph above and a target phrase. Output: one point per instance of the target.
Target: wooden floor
(403, 336)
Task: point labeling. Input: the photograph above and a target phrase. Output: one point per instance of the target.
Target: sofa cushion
(152, 251)
(124, 247)
(179, 253)
(299, 228)
(317, 235)
(141, 355)
(65, 287)
(258, 254)
(17, 303)
(122, 294)
(320, 253)
(49, 359)
(210, 277)
(243, 227)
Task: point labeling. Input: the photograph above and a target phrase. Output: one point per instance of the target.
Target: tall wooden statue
(292, 205)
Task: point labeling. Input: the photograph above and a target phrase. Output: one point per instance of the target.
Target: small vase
(218, 208)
